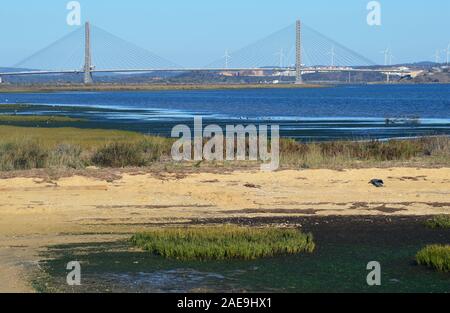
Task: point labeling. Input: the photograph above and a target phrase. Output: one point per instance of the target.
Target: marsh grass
(35, 147)
(441, 221)
(37, 119)
(22, 155)
(435, 256)
(146, 87)
(350, 153)
(125, 154)
(223, 242)
(51, 137)
(23, 148)
(66, 156)
(119, 154)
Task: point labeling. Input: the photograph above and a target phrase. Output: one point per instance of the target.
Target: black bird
(377, 183)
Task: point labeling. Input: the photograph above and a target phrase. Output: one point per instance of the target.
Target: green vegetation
(50, 137)
(39, 147)
(125, 154)
(38, 119)
(435, 256)
(26, 109)
(144, 87)
(24, 155)
(224, 242)
(336, 154)
(24, 148)
(441, 221)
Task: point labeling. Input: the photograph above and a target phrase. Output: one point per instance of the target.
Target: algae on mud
(344, 247)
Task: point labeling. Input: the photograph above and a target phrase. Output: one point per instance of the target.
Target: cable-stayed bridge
(296, 49)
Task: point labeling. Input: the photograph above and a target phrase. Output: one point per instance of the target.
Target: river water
(343, 112)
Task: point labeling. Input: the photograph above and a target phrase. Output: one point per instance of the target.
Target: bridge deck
(305, 69)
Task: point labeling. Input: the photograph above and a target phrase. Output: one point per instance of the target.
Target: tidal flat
(345, 245)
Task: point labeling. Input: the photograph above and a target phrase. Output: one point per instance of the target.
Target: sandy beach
(35, 213)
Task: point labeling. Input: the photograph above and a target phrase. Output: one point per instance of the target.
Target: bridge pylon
(298, 53)
(88, 80)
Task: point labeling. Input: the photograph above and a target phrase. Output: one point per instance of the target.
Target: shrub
(155, 148)
(294, 147)
(47, 147)
(22, 155)
(119, 154)
(225, 242)
(435, 256)
(439, 145)
(346, 153)
(373, 150)
(66, 155)
(136, 153)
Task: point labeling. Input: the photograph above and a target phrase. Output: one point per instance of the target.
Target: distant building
(248, 73)
(253, 73)
(284, 73)
(229, 74)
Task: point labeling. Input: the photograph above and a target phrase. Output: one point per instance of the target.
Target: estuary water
(355, 112)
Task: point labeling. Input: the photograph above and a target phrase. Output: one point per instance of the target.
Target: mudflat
(36, 212)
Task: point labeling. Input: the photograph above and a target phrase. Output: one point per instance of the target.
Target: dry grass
(427, 150)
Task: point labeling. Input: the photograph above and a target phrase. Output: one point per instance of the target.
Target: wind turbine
(437, 56)
(391, 56)
(387, 56)
(447, 53)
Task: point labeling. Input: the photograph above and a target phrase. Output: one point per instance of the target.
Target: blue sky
(196, 32)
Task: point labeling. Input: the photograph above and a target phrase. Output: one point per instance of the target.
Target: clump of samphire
(435, 256)
(224, 242)
(441, 221)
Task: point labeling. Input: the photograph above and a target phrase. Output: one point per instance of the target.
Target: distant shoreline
(5, 89)
(147, 87)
